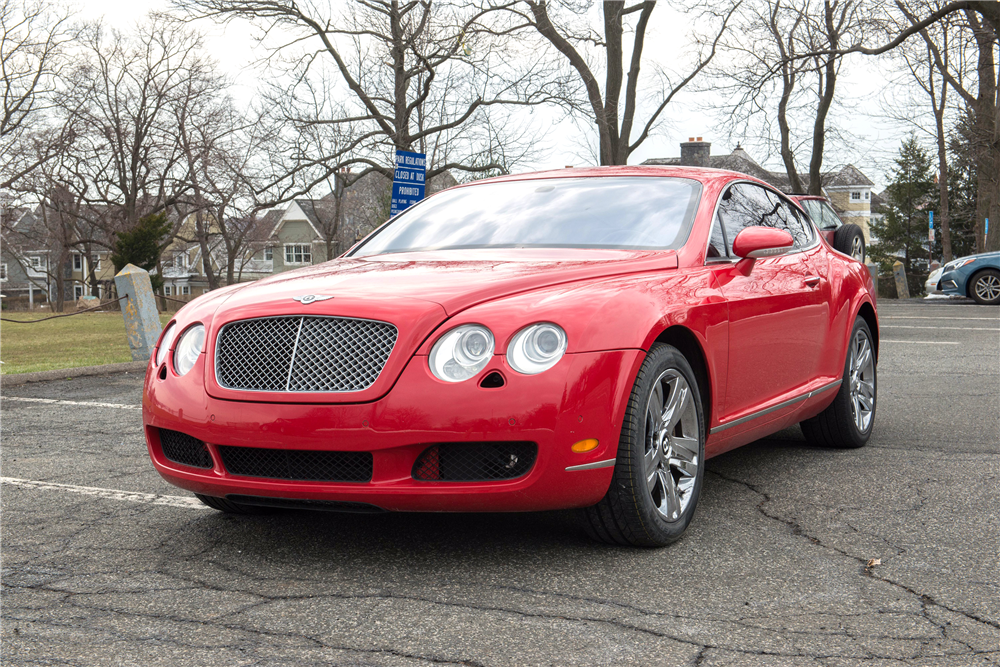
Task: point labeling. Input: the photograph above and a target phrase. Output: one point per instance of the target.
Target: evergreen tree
(902, 234)
(141, 246)
(962, 186)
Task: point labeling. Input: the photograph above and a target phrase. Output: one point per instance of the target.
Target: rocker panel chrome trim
(773, 408)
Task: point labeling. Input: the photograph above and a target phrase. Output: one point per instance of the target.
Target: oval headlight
(189, 346)
(165, 341)
(536, 348)
(461, 353)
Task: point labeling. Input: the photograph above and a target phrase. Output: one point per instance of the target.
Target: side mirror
(756, 242)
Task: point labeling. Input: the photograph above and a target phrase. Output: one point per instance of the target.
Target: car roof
(703, 174)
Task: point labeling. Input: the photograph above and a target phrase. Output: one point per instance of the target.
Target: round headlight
(536, 348)
(165, 341)
(461, 353)
(189, 346)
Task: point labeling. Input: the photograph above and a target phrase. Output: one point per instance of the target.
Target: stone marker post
(873, 270)
(902, 290)
(142, 321)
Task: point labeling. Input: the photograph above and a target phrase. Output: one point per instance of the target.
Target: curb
(18, 379)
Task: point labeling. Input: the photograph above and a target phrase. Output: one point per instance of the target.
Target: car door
(778, 312)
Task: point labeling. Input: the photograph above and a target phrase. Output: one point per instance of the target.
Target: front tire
(985, 287)
(660, 464)
(847, 423)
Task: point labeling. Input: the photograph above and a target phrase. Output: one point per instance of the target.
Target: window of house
(96, 261)
(3, 271)
(868, 196)
(182, 261)
(268, 254)
(855, 196)
(77, 291)
(185, 290)
(298, 254)
(35, 261)
(77, 262)
(166, 290)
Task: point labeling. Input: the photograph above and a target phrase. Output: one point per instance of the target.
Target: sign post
(930, 238)
(408, 181)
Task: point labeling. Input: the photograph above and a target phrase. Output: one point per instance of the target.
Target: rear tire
(850, 240)
(847, 423)
(229, 507)
(985, 287)
(659, 469)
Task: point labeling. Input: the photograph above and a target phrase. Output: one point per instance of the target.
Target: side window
(742, 206)
(747, 205)
(830, 218)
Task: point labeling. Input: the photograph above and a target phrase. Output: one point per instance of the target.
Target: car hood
(455, 280)
(415, 292)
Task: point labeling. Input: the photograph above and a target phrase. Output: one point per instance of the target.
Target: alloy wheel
(858, 249)
(862, 379)
(988, 287)
(672, 448)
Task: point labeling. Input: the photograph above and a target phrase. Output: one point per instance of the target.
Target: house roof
(739, 160)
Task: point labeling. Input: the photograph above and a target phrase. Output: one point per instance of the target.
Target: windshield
(650, 213)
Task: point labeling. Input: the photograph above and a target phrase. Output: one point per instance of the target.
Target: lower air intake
(305, 504)
(298, 465)
(184, 449)
(475, 461)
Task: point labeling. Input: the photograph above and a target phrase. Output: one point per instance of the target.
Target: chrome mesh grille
(302, 354)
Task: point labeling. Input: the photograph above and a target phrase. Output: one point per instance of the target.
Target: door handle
(812, 281)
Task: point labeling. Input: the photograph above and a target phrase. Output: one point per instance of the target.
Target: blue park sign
(408, 181)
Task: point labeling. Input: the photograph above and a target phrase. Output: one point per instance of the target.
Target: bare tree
(774, 80)
(612, 111)
(407, 73)
(32, 56)
(124, 100)
(983, 19)
(922, 83)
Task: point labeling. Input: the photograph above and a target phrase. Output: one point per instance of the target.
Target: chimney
(696, 153)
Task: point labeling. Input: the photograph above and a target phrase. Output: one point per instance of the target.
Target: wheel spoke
(675, 404)
(686, 468)
(651, 477)
(685, 448)
(670, 497)
(655, 407)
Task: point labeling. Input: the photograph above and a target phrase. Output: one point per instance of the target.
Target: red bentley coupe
(579, 338)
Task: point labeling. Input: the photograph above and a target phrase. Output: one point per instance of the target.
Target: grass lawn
(87, 339)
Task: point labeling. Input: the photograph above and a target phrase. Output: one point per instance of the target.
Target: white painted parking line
(109, 494)
(61, 402)
(907, 326)
(928, 317)
(921, 342)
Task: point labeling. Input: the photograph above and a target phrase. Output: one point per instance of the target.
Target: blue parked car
(975, 276)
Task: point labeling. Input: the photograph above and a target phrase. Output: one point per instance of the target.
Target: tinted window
(747, 205)
(637, 212)
(717, 241)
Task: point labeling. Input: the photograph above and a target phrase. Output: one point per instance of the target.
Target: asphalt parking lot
(106, 564)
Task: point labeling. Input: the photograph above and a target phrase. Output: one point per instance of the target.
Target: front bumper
(584, 396)
(952, 283)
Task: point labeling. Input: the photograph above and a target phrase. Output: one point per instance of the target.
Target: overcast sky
(860, 87)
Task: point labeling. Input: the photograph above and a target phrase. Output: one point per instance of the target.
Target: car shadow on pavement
(441, 538)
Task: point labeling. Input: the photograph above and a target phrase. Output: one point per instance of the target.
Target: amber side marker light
(584, 446)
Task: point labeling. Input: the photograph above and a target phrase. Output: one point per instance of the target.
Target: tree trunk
(986, 140)
(826, 99)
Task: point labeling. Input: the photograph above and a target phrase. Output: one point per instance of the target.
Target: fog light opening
(493, 380)
(163, 372)
(588, 445)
